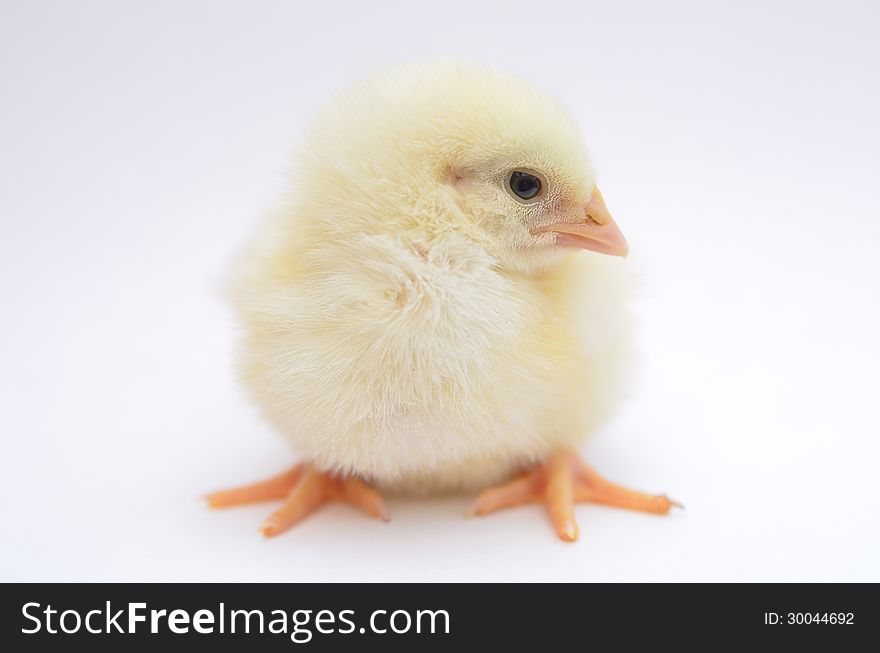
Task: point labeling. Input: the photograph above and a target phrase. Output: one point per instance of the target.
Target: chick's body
(391, 331)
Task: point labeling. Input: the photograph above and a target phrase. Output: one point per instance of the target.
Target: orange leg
(560, 483)
(304, 490)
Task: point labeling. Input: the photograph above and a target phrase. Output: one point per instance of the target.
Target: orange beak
(598, 233)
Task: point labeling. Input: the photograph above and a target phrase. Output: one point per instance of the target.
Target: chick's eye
(524, 185)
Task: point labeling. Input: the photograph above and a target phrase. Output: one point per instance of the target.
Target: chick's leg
(560, 483)
(304, 490)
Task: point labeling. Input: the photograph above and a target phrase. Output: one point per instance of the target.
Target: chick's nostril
(596, 209)
(597, 216)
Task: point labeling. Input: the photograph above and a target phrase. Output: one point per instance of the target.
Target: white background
(737, 145)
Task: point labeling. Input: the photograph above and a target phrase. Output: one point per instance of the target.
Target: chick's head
(450, 147)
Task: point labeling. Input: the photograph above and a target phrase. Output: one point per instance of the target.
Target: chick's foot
(560, 483)
(303, 490)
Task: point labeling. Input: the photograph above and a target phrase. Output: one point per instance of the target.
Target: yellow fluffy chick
(417, 314)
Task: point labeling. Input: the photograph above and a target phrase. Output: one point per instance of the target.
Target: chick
(417, 315)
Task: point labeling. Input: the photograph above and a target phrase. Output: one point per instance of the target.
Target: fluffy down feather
(400, 323)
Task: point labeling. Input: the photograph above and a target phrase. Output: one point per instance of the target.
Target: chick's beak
(598, 233)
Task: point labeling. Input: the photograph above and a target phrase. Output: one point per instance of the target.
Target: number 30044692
(798, 618)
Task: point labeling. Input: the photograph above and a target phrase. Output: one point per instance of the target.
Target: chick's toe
(303, 490)
(563, 480)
